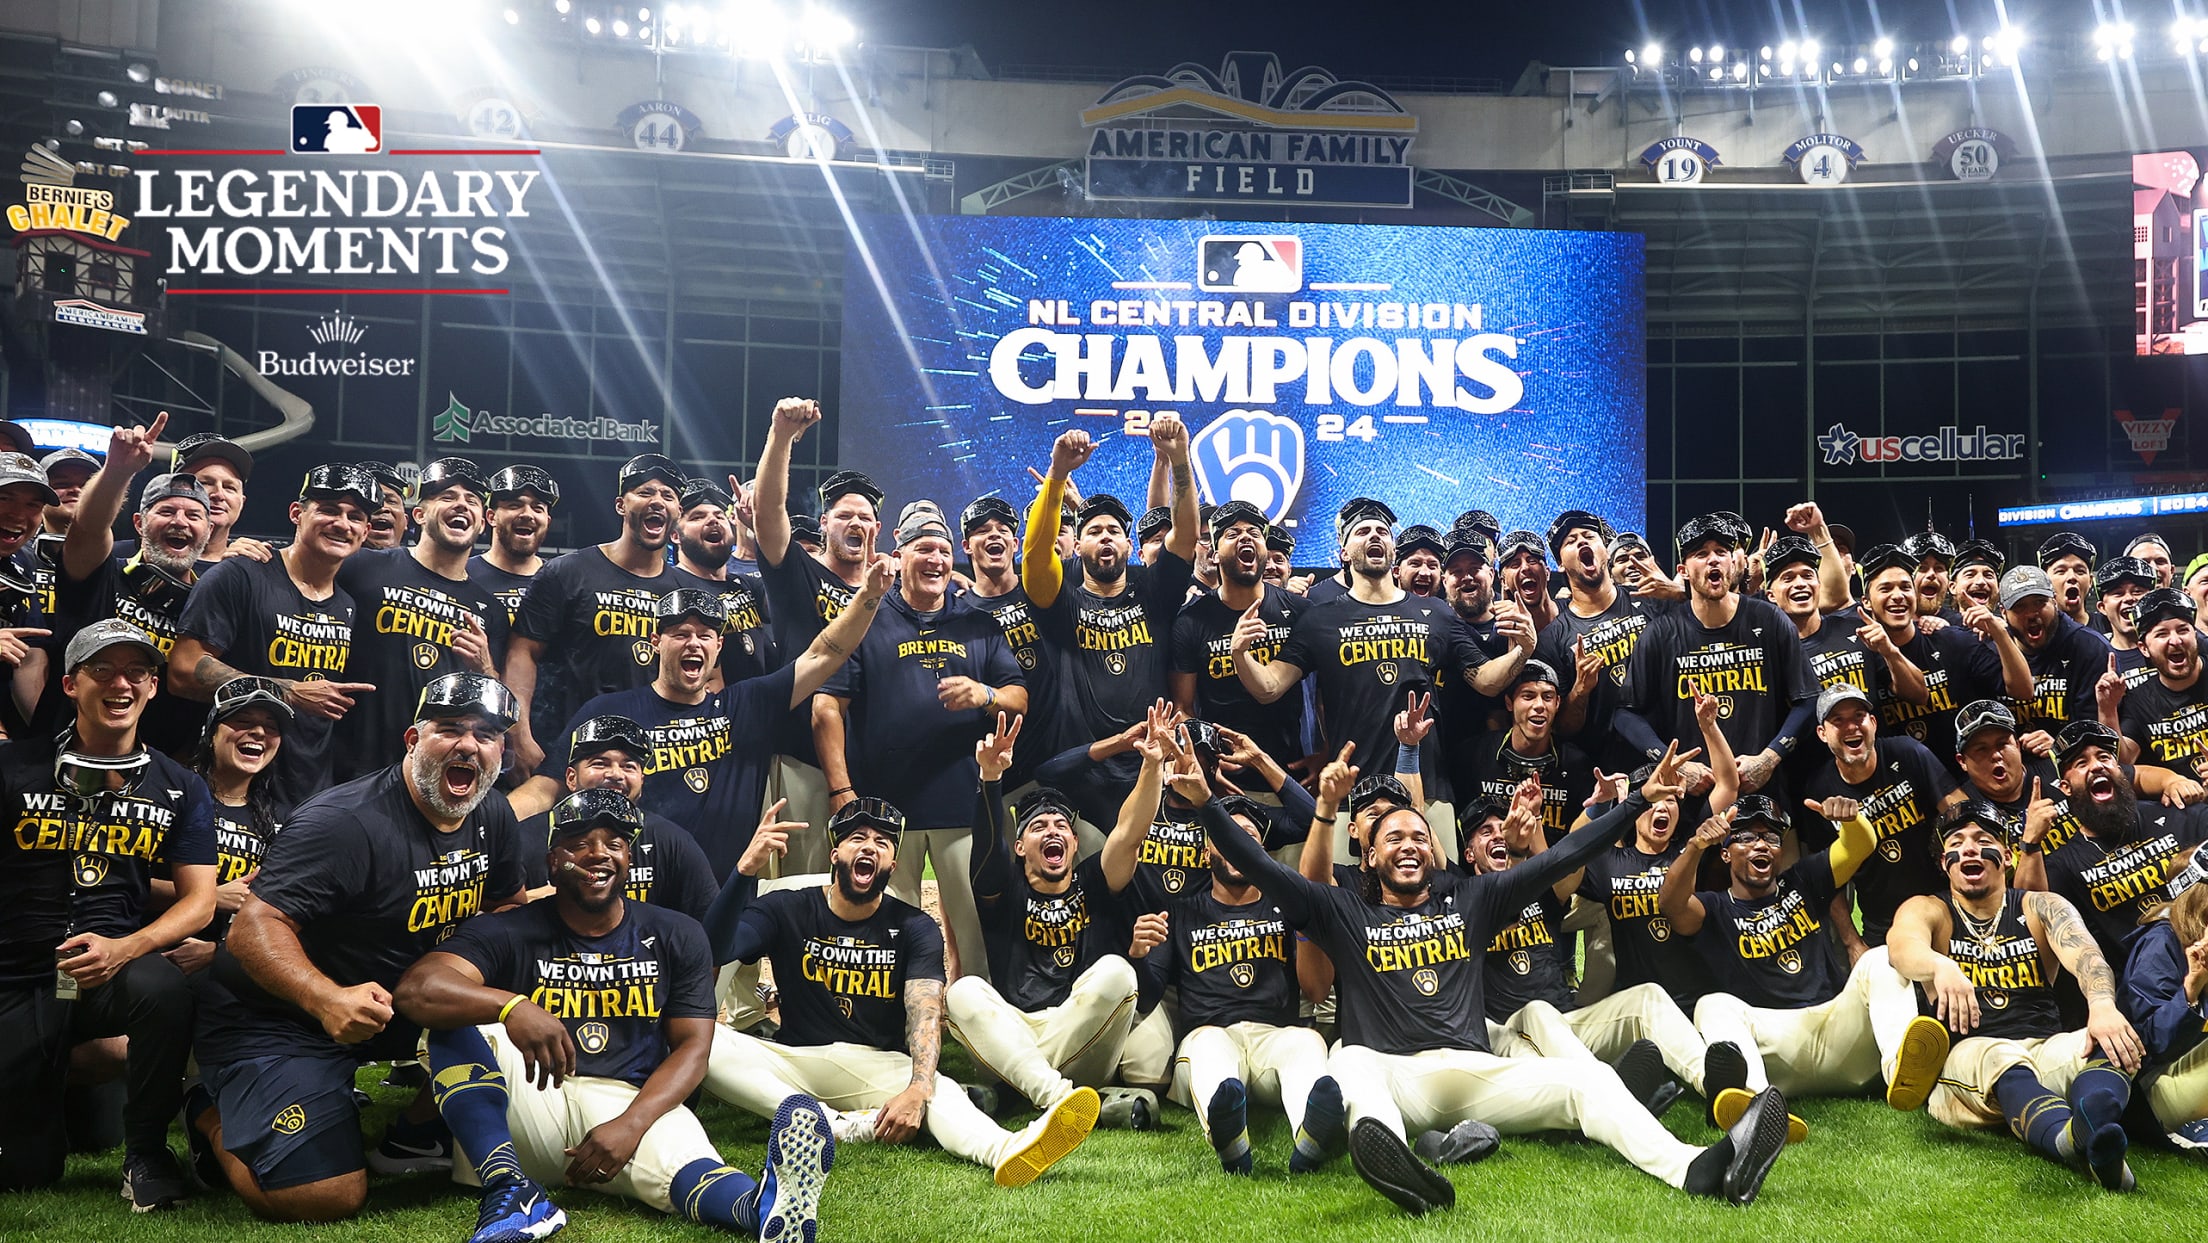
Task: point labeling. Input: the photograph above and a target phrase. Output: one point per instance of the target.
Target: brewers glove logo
(1890, 850)
(1521, 962)
(1174, 879)
(1426, 980)
(1995, 998)
(1063, 956)
(1243, 974)
(425, 656)
(90, 870)
(1385, 670)
(1026, 657)
(291, 1121)
(593, 1037)
(1659, 929)
(1791, 962)
(1251, 455)
(642, 651)
(1116, 662)
(697, 779)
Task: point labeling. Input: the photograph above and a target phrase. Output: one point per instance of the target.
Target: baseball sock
(712, 1194)
(2097, 1098)
(2037, 1116)
(471, 1094)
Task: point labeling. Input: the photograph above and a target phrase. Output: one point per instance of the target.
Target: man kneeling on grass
(564, 1037)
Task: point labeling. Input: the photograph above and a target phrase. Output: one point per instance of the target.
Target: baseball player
(1984, 954)
(861, 976)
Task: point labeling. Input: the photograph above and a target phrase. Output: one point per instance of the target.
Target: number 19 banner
(1439, 369)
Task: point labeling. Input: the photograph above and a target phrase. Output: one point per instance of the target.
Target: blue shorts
(291, 1119)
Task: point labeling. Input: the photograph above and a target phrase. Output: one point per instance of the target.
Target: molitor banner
(1441, 369)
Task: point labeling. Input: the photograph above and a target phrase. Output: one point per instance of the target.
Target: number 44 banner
(659, 125)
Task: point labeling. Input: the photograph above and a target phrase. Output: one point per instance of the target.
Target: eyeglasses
(105, 671)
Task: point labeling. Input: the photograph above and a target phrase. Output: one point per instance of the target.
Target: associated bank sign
(1249, 133)
(457, 424)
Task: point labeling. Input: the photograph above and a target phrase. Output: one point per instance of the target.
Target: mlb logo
(1250, 263)
(336, 129)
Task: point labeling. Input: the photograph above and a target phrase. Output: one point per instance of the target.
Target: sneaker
(1395, 1171)
(1127, 1109)
(1757, 1139)
(1465, 1143)
(153, 1180)
(1642, 1070)
(2191, 1137)
(1723, 1066)
(1325, 1130)
(516, 1210)
(407, 1076)
(1227, 1117)
(801, 1149)
(204, 1167)
(1916, 1069)
(1049, 1138)
(855, 1126)
(413, 1148)
(1733, 1102)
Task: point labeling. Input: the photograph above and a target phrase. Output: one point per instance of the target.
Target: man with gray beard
(364, 880)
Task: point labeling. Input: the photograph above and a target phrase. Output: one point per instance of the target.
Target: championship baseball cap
(2078, 735)
(1373, 789)
(1516, 542)
(238, 694)
(62, 459)
(2022, 582)
(2160, 605)
(1247, 808)
(2194, 567)
(1479, 520)
(1418, 536)
(1980, 715)
(595, 808)
(1843, 536)
(1574, 520)
(201, 446)
(919, 520)
(2125, 569)
(1224, 516)
(103, 634)
(686, 602)
(1533, 671)
(1882, 557)
(804, 528)
(645, 467)
(515, 480)
(1926, 544)
(1790, 549)
(386, 476)
(846, 482)
(1629, 541)
(607, 733)
(696, 492)
(862, 813)
(1978, 811)
(1468, 542)
(1979, 552)
(166, 487)
(985, 509)
(1280, 539)
(1042, 801)
(1698, 531)
(1742, 532)
(2148, 537)
(1830, 699)
(16, 437)
(1751, 809)
(2065, 544)
(1475, 813)
(1358, 508)
(468, 694)
(445, 472)
(1104, 505)
(339, 481)
(1154, 519)
(19, 468)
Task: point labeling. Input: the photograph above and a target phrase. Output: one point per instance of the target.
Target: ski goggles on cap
(1980, 715)
(607, 733)
(1416, 537)
(1576, 520)
(1232, 512)
(696, 602)
(1479, 520)
(847, 482)
(1979, 552)
(804, 528)
(1872, 561)
(595, 808)
(698, 492)
(1754, 815)
(468, 694)
(444, 473)
(2066, 544)
(1469, 542)
(1042, 801)
(1358, 508)
(340, 481)
(1370, 790)
(1104, 504)
(515, 480)
(866, 813)
(1790, 549)
(2118, 570)
(1929, 544)
(1279, 539)
(645, 467)
(986, 509)
(1153, 521)
(385, 475)
(238, 694)
(1699, 531)
(1517, 542)
(2078, 735)
(1246, 807)
(200, 446)
(2160, 605)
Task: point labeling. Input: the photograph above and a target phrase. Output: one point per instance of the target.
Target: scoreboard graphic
(1442, 369)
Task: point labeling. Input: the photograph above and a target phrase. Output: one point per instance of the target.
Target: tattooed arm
(840, 638)
(901, 1116)
(2055, 922)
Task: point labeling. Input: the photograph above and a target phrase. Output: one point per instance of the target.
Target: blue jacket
(2153, 995)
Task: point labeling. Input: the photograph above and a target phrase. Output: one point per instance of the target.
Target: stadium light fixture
(2007, 44)
(1883, 49)
(1653, 54)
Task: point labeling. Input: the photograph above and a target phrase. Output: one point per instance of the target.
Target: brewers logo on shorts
(697, 779)
(291, 1121)
(642, 651)
(1659, 929)
(1116, 662)
(593, 1037)
(1385, 670)
(90, 870)
(1791, 962)
(1243, 974)
(425, 655)
(1426, 980)
(1521, 962)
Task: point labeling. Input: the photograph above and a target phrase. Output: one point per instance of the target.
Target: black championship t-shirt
(1837, 656)
(802, 597)
(1626, 881)
(2064, 670)
(1491, 770)
(69, 867)
(1959, 667)
(2013, 810)
(2009, 973)
(900, 743)
(596, 621)
(1901, 800)
(1772, 952)
(256, 619)
(372, 886)
(2113, 885)
(506, 585)
(667, 867)
(403, 630)
(747, 644)
(1753, 664)
(2133, 666)
(1367, 659)
(1203, 645)
(1117, 647)
(1525, 962)
(1232, 964)
(2170, 727)
(137, 595)
(1046, 730)
(1039, 943)
(1609, 636)
(240, 845)
(708, 767)
(613, 993)
(841, 981)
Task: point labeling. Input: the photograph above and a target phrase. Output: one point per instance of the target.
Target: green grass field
(1865, 1173)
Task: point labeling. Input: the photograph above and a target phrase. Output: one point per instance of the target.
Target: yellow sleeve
(1040, 572)
(1852, 849)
